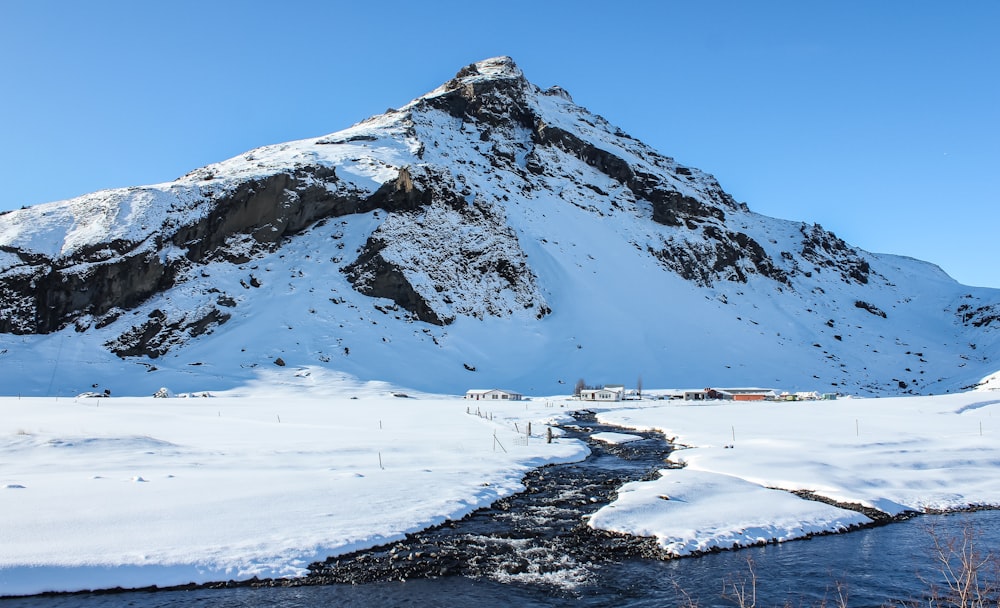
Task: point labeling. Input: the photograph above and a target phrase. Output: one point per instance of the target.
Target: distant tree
(580, 386)
(638, 386)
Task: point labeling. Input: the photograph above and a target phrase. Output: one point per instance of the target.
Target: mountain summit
(487, 233)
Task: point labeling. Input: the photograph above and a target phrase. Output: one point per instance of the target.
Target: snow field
(97, 493)
(896, 455)
(103, 492)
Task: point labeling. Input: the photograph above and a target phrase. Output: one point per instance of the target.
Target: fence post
(496, 442)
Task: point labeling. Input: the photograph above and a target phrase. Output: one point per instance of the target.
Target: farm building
(492, 394)
(697, 395)
(750, 394)
(731, 394)
(707, 394)
(608, 393)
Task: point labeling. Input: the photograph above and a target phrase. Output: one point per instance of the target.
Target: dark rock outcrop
(980, 316)
(456, 249)
(723, 255)
(602, 160)
(373, 275)
(827, 251)
(46, 295)
(875, 310)
(497, 101)
(154, 337)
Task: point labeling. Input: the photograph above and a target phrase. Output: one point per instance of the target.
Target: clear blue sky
(879, 120)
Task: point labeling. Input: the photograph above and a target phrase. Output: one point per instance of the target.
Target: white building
(493, 394)
(608, 393)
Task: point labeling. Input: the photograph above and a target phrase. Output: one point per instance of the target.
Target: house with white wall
(608, 393)
(492, 394)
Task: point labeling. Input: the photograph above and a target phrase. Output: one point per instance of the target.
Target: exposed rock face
(978, 315)
(473, 251)
(375, 276)
(496, 98)
(401, 194)
(269, 209)
(722, 255)
(48, 294)
(602, 160)
(45, 295)
(825, 250)
(875, 310)
(154, 337)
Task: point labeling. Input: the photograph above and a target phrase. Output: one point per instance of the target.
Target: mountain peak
(502, 67)
(488, 227)
(492, 90)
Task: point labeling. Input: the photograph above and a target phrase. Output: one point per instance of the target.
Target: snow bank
(615, 438)
(694, 511)
(895, 455)
(990, 383)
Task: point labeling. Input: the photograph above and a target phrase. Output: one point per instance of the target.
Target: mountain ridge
(489, 224)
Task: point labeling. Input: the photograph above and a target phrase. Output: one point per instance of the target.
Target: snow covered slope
(489, 233)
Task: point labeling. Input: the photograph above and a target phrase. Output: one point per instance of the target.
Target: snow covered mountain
(489, 233)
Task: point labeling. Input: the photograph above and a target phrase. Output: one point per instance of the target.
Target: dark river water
(872, 566)
(510, 555)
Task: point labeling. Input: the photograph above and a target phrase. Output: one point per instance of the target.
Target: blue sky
(878, 120)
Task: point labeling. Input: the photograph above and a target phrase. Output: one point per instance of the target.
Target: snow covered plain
(103, 492)
(99, 492)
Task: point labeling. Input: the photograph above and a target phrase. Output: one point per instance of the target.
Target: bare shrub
(742, 589)
(967, 577)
